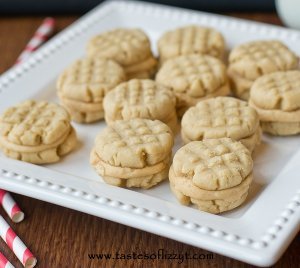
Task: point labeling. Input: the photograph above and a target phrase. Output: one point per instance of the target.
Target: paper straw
(10, 206)
(4, 263)
(39, 37)
(16, 245)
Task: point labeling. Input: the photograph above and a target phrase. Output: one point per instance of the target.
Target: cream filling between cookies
(224, 202)
(193, 100)
(184, 101)
(219, 206)
(142, 75)
(105, 169)
(276, 115)
(281, 128)
(188, 188)
(169, 119)
(251, 141)
(33, 149)
(82, 117)
(205, 134)
(143, 66)
(241, 85)
(86, 107)
(144, 182)
(50, 155)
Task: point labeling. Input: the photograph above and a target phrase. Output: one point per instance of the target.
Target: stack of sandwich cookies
(194, 78)
(213, 174)
(190, 40)
(276, 97)
(129, 47)
(36, 132)
(82, 87)
(141, 99)
(249, 61)
(222, 117)
(133, 153)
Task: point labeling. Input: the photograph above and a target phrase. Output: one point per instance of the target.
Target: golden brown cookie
(140, 98)
(129, 47)
(276, 98)
(213, 164)
(251, 60)
(213, 174)
(83, 85)
(219, 118)
(190, 40)
(133, 153)
(193, 78)
(36, 132)
(215, 206)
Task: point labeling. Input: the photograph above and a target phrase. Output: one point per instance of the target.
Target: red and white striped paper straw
(10, 206)
(4, 263)
(16, 245)
(39, 37)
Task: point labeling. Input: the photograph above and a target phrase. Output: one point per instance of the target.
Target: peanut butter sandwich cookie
(249, 61)
(193, 78)
(83, 85)
(190, 40)
(141, 98)
(36, 132)
(133, 153)
(214, 174)
(129, 47)
(222, 117)
(276, 98)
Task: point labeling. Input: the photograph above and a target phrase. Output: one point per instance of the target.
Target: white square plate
(258, 232)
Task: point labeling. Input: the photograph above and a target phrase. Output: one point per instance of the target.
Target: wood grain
(60, 237)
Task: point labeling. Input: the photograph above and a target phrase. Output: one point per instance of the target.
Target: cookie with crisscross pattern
(83, 85)
(125, 46)
(194, 75)
(277, 91)
(32, 123)
(139, 98)
(213, 164)
(193, 78)
(88, 80)
(276, 98)
(133, 153)
(219, 118)
(249, 61)
(253, 59)
(36, 132)
(134, 143)
(189, 40)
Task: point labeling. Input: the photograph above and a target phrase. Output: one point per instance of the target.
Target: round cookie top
(213, 164)
(139, 98)
(189, 40)
(195, 75)
(88, 80)
(136, 143)
(254, 59)
(220, 117)
(277, 91)
(125, 46)
(32, 123)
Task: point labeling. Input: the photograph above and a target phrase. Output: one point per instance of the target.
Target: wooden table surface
(60, 237)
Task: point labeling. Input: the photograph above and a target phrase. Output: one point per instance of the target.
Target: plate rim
(256, 252)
